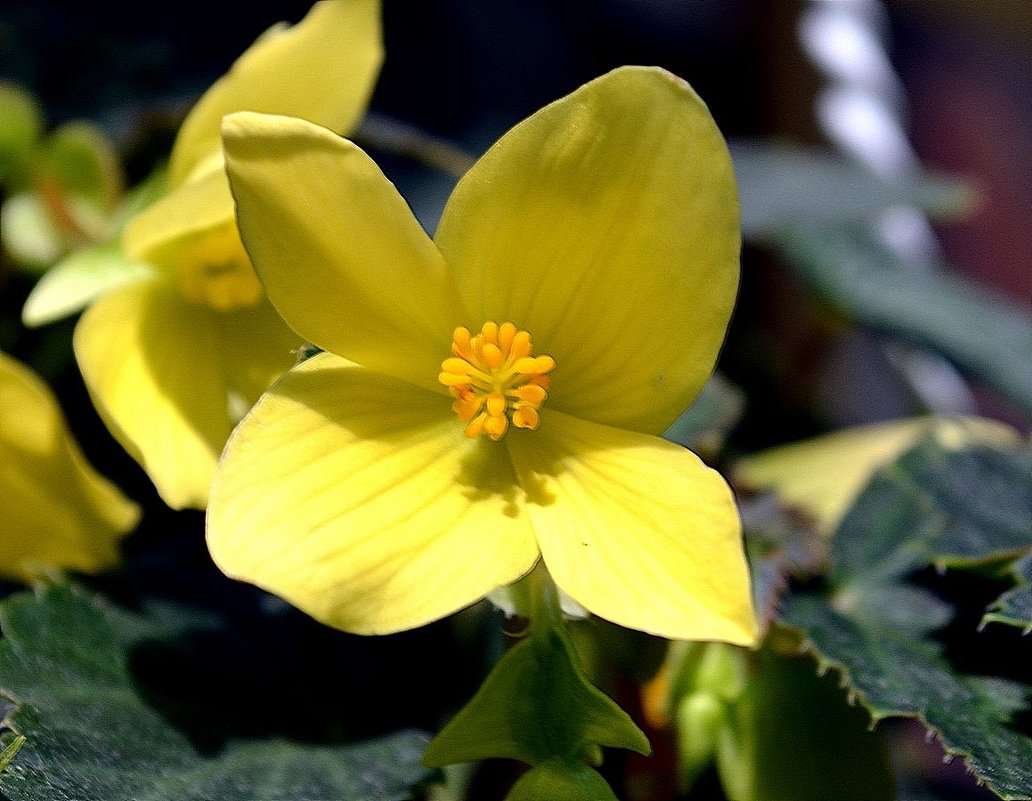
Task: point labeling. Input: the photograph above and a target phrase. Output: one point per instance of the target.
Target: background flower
(56, 510)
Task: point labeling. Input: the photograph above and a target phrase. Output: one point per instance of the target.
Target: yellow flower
(173, 359)
(824, 475)
(492, 396)
(55, 509)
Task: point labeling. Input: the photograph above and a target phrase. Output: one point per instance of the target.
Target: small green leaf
(536, 706)
(984, 334)
(21, 123)
(10, 751)
(79, 279)
(67, 665)
(781, 185)
(1014, 607)
(81, 161)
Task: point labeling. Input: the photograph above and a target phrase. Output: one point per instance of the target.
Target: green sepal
(536, 706)
(561, 781)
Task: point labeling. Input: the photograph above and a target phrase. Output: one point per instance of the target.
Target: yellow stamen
(495, 379)
(214, 270)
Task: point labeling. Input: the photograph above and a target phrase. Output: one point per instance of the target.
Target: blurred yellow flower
(55, 509)
(824, 475)
(493, 396)
(172, 359)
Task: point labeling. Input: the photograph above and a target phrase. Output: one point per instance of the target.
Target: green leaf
(1014, 607)
(67, 664)
(78, 280)
(951, 508)
(536, 706)
(81, 161)
(21, 123)
(965, 508)
(984, 334)
(781, 185)
(10, 751)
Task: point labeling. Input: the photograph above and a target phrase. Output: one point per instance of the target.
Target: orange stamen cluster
(495, 380)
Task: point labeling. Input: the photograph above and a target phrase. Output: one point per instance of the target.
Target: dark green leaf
(1014, 607)
(892, 673)
(66, 662)
(983, 334)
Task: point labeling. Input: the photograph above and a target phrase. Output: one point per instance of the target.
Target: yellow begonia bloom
(824, 475)
(55, 509)
(493, 396)
(173, 359)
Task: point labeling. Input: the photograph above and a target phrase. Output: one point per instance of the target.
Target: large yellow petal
(339, 252)
(636, 529)
(322, 69)
(824, 475)
(606, 225)
(152, 364)
(159, 233)
(55, 509)
(354, 496)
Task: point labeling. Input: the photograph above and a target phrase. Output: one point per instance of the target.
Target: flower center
(495, 380)
(214, 270)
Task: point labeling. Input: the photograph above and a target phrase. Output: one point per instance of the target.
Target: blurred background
(873, 285)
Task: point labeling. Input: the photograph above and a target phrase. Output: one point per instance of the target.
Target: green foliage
(67, 666)
(1014, 607)
(964, 508)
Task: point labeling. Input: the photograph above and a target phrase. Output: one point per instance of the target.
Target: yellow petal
(636, 529)
(355, 497)
(55, 509)
(151, 363)
(159, 233)
(824, 475)
(338, 250)
(322, 69)
(606, 225)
